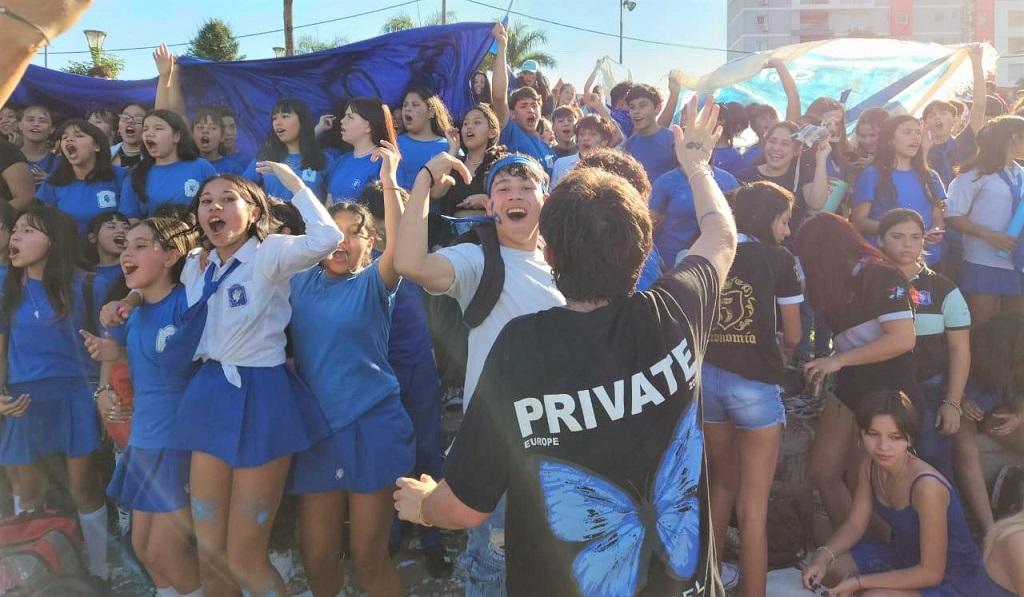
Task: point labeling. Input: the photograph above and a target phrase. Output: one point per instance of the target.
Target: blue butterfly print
(583, 506)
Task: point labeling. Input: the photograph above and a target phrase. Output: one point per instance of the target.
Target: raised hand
(389, 158)
(164, 60)
(694, 146)
(283, 172)
(500, 35)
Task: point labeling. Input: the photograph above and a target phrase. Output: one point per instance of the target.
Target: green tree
(308, 44)
(214, 41)
(398, 23)
(524, 44)
(435, 18)
(112, 63)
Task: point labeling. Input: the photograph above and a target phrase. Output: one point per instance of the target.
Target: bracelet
(830, 553)
(430, 174)
(6, 11)
(419, 514)
(103, 388)
(860, 586)
(393, 188)
(955, 405)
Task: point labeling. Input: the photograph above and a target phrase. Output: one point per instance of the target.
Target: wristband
(430, 174)
(958, 408)
(830, 553)
(419, 514)
(6, 11)
(103, 388)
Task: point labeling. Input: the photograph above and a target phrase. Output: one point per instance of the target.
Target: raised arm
(593, 77)
(499, 78)
(431, 271)
(717, 240)
(168, 89)
(389, 157)
(675, 85)
(595, 103)
(816, 191)
(979, 95)
(793, 111)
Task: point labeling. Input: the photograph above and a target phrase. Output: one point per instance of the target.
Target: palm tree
(524, 44)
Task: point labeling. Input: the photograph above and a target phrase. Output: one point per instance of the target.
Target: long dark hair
(993, 145)
(885, 162)
(997, 356)
(276, 151)
(442, 120)
(889, 403)
(252, 194)
(103, 169)
(829, 247)
(377, 113)
(492, 123)
(733, 119)
(841, 149)
(60, 261)
(756, 205)
(186, 150)
(484, 97)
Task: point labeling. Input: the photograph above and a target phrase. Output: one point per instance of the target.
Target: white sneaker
(282, 562)
(730, 574)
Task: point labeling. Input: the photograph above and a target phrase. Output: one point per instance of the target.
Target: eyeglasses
(133, 119)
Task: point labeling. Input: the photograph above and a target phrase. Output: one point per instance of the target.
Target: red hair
(829, 247)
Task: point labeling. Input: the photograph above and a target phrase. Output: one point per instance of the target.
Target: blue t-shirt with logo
(410, 337)
(909, 193)
(175, 184)
(315, 180)
(48, 164)
(228, 165)
(674, 214)
(655, 152)
(349, 174)
(415, 155)
(339, 337)
(160, 370)
(517, 140)
(84, 200)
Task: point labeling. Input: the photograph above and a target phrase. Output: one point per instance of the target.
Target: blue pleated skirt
(151, 480)
(273, 414)
(61, 419)
(365, 456)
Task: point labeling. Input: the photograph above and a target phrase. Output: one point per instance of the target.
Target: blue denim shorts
(746, 403)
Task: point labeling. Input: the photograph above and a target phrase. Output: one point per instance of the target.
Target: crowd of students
(277, 315)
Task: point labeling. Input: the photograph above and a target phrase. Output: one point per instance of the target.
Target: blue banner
(441, 57)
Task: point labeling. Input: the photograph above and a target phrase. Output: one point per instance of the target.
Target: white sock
(94, 530)
(17, 505)
(197, 593)
(167, 592)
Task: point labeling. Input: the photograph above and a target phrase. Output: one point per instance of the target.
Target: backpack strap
(492, 280)
(90, 303)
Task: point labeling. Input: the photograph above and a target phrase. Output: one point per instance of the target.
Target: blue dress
(904, 550)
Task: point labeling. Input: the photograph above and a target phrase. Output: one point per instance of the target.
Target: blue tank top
(962, 556)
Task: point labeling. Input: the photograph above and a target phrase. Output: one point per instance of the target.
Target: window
(1015, 18)
(1015, 45)
(902, 19)
(761, 19)
(939, 16)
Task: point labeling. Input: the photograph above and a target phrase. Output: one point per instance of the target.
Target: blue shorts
(872, 558)
(365, 456)
(985, 279)
(61, 419)
(151, 480)
(746, 403)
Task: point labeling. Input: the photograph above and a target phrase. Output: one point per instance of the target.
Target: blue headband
(510, 160)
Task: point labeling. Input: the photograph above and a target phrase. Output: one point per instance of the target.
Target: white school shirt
(248, 313)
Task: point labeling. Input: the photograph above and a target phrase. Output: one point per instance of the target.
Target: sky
(134, 23)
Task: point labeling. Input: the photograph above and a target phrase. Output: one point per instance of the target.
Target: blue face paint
(204, 511)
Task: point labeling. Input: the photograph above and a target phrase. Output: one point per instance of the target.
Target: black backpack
(449, 325)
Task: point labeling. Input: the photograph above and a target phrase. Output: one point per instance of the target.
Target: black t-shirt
(9, 155)
(590, 423)
(743, 340)
(128, 161)
(877, 294)
(789, 182)
(938, 308)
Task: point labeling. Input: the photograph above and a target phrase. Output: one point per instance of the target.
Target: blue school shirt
(909, 194)
(106, 277)
(654, 152)
(621, 118)
(415, 155)
(410, 337)
(159, 372)
(516, 139)
(47, 347)
(945, 158)
(729, 159)
(349, 174)
(47, 164)
(339, 332)
(228, 165)
(175, 184)
(674, 214)
(315, 180)
(85, 200)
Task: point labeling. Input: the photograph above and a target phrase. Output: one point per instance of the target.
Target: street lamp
(624, 5)
(95, 40)
(278, 51)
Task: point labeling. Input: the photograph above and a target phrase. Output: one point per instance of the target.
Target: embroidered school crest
(236, 296)
(162, 336)
(309, 175)
(191, 187)
(923, 298)
(897, 292)
(106, 199)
